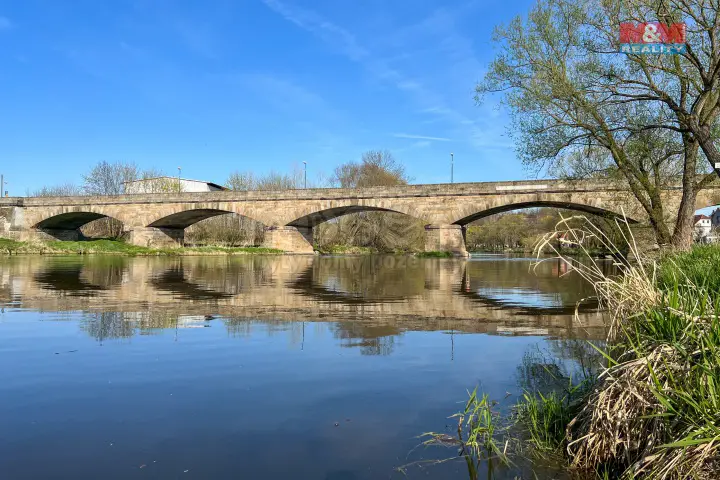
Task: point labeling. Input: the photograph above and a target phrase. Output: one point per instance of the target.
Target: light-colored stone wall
(289, 239)
(445, 238)
(443, 204)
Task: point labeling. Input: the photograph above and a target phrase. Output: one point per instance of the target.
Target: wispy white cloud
(413, 146)
(477, 132)
(421, 137)
(5, 23)
(319, 26)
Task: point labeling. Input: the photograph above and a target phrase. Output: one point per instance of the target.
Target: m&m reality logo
(652, 38)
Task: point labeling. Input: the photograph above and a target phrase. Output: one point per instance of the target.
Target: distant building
(702, 227)
(715, 218)
(169, 185)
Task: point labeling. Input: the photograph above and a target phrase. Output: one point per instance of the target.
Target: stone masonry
(290, 215)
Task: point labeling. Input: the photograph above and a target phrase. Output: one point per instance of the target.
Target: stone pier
(156, 237)
(289, 239)
(445, 238)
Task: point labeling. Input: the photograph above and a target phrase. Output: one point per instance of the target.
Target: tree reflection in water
(567, 361)
(108, 325)
(372, 340)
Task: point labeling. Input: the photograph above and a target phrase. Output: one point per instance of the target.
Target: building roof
(212, 184)
(697, 218)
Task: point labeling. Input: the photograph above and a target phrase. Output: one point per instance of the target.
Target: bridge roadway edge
(442, 206)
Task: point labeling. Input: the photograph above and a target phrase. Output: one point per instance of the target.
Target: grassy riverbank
(345, 250)
(353, 250)
(654, 409)
(116, 247)
(650, 409)
(566, 252)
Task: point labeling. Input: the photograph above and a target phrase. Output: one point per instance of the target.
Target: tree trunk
(706, 141)
(682, 237)
(660, 228)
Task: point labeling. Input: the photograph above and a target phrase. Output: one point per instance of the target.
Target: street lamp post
(452, 167)
(2, 185)
(305, 176)
(179, 170)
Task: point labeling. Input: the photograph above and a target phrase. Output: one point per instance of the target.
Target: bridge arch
(63, 224)
(314, 215)
(470, 213)
(292, 229)
(183, 217)
(316, 218)
(176, 225)
(69, 220)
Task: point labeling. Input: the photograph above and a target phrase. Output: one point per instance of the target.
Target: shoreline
(640, 404)
(119, 248)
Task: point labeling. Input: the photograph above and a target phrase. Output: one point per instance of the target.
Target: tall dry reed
(654, 411)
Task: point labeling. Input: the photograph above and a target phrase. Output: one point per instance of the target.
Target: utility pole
(452, 167)
(305, 163)
(2, 185)
(179, 170)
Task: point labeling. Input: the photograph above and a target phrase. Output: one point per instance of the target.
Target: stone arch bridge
(290, 215)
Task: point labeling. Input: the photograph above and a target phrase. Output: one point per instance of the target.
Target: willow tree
(381, 230)
(581, 108)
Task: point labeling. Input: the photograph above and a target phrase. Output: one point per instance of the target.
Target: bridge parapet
(426, 190)
(290, 215)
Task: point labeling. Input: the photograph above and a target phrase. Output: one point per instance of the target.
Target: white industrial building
(170, 185)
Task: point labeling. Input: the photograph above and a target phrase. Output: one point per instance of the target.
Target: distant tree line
(521, 231)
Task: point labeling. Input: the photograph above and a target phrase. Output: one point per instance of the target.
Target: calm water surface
(266, 367)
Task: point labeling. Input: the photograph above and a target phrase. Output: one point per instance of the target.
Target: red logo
(652, 32)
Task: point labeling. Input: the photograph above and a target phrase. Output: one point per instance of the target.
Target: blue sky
(260, 85)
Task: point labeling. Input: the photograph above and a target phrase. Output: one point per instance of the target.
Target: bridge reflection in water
(366, 301)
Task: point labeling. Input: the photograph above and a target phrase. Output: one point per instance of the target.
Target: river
(268, 367)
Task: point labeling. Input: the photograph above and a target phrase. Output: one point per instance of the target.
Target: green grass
(435, 255)
(700, 266)
(344, 250)
(656, 409)
(653, 411)
(479, 437)
(355, 250)
(545, 417)
(679, 340)
(9, 246)
(117, 247)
